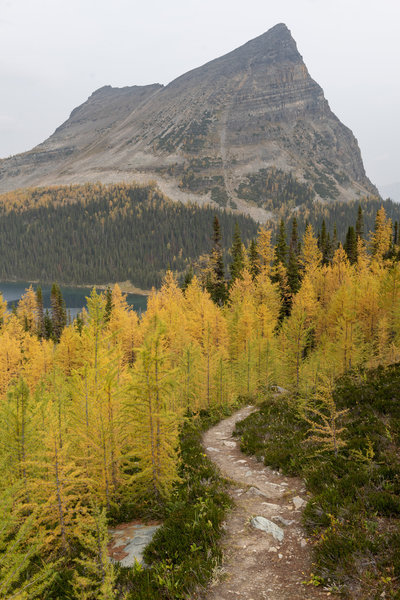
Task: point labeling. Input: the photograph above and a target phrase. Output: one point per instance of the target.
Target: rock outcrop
(248, 130)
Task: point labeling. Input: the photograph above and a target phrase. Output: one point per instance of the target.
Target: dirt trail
(256, 566)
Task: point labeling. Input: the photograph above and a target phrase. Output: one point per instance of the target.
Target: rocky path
(258, 565)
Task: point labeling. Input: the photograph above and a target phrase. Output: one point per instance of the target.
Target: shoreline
(126, 286)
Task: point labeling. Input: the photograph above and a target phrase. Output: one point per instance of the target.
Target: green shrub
(354, 514)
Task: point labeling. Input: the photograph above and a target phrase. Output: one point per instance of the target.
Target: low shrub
(354, 513)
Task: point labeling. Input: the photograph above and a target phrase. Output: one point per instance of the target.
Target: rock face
(220, 132)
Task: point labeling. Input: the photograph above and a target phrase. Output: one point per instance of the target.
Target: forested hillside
(92, 418)
(96, 234)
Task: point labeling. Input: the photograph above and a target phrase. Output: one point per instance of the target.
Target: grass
(353, 517)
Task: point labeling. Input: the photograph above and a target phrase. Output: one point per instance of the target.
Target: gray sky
(55, 53)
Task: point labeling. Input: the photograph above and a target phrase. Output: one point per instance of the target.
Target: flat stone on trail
(298, 502)
(268, 526)
(272, 506)
(283, 521)
(229, 444)
(253, 491)
(211, 449)
(241, 461)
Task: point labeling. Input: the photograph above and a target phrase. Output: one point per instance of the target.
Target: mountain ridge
(206, 134)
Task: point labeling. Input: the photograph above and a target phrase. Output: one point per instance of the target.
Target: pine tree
(294, 238)
(334, 239)
(323, 242)
(293, 267)
(350, 245)
(253, 259)
(188, 277)
(40, 312)
(215, 282)
(58, 312)
(237, 264)
(360, 223)
(293, 272)
(3, 310)
(281, 248)
(109, 305)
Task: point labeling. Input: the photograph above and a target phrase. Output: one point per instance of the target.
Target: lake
(75, 297)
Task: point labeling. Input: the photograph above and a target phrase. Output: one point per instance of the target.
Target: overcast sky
(55, 53)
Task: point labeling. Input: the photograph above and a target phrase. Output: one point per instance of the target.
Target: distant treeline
(98, 234)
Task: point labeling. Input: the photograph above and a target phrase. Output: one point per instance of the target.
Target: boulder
(268, 526)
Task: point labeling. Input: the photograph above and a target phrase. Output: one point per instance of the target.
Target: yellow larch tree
(296, 334)
(381, 238)
(152, 425)
(311, 256)
(265, 250)
(27, 311)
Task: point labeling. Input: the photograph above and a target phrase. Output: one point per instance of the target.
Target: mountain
(250, 130)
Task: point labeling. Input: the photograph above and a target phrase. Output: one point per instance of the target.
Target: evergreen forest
(97, 234)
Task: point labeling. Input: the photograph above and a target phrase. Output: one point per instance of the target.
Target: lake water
(75, 298)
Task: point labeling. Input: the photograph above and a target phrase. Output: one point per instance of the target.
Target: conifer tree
(323, 418)
(293, 273)
(293, 269)
(215, 282)
(153, 425)
(360, 223)
(265, 250)
(58, 312)
(237, 264)
(94, 575)
(323, 243)
(109, 305)
(27, 310)
(381, 238)
(281, 248)
(294, 244)
(48, 325)
(40, 312)
(334, 239)
(23, 572)
(311, 256)
(253, 259)
(350, 245)
(188, 277)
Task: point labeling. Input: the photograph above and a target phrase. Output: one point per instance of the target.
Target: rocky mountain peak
(249, 130)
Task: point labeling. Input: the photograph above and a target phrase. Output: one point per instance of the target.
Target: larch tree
(153, 426)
